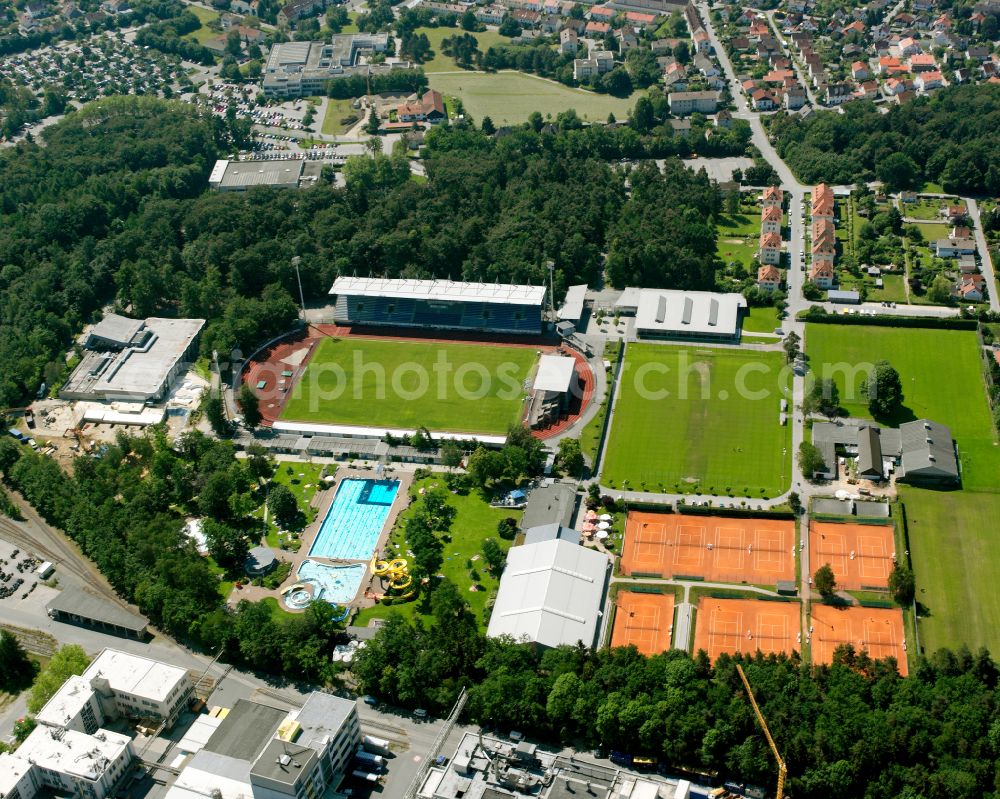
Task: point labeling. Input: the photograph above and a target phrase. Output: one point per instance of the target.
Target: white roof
(215, 178)
(74, 753)
(551, 593)
(442, 290)
(66, 703)
(572, 307)
(555, 373)
(355, 431)
(12, 769)
(136, 675)
(689, 312)
(198, 733)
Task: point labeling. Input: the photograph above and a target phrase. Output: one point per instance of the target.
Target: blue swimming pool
(335, 584)
(351, 528)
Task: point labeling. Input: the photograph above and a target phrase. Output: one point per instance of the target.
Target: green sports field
(510, 97)
(957, 566)
(460, 388)
(941, 373)
(666, 437)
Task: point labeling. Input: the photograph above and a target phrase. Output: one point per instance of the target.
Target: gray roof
(551, 532)
(548, 504)
(283, 762)
(840, 295)
(80, 603)
(259, 558)
(871, 510)
(689, 313)
(831, 507)
(550, 593)
(928, 450)
(323, 715)
(119, 329)
(572, 307)
(246, 730)
(284, 173)
(869, 451)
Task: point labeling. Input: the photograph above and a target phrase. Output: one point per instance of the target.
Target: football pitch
(942, 376)
(443, 386)
(699, 420)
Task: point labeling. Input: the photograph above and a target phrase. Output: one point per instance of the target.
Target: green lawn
(474, 522)
(737, 238)
(926, 208)
(444, 63)
(893, 290)
(957, 566)
(675, 430)
(932, 231)
(511, 97)
(204, 33)
(761, 320)
(337, 110)
(461, 388)
(303, 481)
(941, 372)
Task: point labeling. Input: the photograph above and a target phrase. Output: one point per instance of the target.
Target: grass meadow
(722, 437)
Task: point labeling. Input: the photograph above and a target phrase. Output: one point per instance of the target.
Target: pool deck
(322, 502)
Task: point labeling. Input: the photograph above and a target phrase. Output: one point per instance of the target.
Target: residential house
(970, 288)
(979, 52)
(763, 101)
(429, 108)
(768, 278)
(569, 42)
(770, 248)
(795, 98)
(921, 62)
(889, 65)
(821, 273)
(926, 81)
(856, 27)
(705, 65)
(822, 202)
(954, 248)
(526, 18)
(773, 197)
(597, 29)
(837, 93)
(860, 71)
(664, 46)
(491, 15)
(597, 63)
(868, 90)
(244, 6)
(640, 19)
(682, 103)
(551, 23)
(724, 119)
(770, 220)
(626, 38)
(602, 13)
(35, 10)
(894, 87)
(702, 42)
(907, 47)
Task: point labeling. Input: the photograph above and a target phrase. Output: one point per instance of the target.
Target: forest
(949, 138)
(852, 729)
(114, 209)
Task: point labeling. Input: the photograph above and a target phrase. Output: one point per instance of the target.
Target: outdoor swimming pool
(351, 528)
(335, 584)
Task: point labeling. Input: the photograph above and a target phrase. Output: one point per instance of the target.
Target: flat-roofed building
(140, 368)
(284, 173)
(551, 594)
(695, 315)
(439, 304)
(555, 383)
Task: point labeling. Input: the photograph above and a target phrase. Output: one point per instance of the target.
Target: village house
(770, 248)
(768, 278)
(770, 220)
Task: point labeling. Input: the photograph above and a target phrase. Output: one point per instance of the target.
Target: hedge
(943, 323)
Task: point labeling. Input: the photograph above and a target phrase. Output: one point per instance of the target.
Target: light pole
(302, 299)
(551, 266)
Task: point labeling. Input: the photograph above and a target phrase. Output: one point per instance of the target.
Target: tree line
(115, 209)
(947, 138)
(851, 729)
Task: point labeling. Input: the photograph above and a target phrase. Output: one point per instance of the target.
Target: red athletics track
(271, 366)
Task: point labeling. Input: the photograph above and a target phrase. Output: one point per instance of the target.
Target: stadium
(460, 360)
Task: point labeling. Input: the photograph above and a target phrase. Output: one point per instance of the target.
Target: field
(957, 567)
(715, 548)
(644, 621)
(474, 522)
(859, 554)
(761, 320)
(511, 97)
(746, 625)
(699, 421)
(941, 373)
(445, 63)
(397, 384)
(204, 33)
(738, 238)
(337, 110)
(877, 630)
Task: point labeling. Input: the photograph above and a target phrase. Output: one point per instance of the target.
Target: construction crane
(782, 768)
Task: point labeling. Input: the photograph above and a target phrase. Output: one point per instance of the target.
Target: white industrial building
(260, 751)
(70, 751)
(551, 594)
(695, 315)
(133, 360)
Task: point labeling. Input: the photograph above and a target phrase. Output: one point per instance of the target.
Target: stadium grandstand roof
(440, 290)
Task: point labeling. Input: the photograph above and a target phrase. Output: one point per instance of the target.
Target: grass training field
(461, 388)
(957, 566)
(474, 522)
(511, 97)
(941, 373)
(699, 420)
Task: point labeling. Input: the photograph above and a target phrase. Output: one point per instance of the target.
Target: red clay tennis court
(643, 620)
(861, 555)
(714, 548)
(877, 630)
(746, 625)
